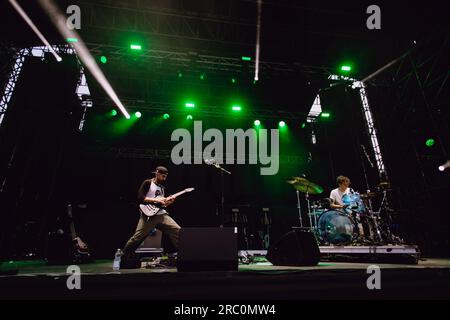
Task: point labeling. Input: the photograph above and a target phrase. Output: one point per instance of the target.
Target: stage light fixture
(430, 142)
(281, 124)
(444, 166)
(244, 58)
(103, 59)
(189, 117)
(113, 113)
(236, 108)
(135, 46)
(346, 68)
(325, 115)
(72, 40)
(166, 116)
(257, 123)
(138, 114)
(190, 105)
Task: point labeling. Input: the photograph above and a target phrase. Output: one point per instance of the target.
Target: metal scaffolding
(82, 89)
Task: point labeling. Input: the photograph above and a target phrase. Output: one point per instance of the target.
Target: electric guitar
(152, 209)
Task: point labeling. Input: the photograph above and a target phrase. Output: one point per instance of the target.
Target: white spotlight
(444, 166)
(59, 20)
(34, 28)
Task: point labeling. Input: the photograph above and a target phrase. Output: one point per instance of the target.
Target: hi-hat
(304, 185)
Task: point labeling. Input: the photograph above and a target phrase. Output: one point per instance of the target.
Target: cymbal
(369, 194)
(384, 184)
(304, 185)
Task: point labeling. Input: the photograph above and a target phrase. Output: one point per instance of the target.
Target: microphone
(211, 161)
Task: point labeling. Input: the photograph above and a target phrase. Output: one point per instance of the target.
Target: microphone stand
(222, 193)
(365, 173)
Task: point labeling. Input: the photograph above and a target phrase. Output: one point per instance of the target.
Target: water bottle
(117, 257)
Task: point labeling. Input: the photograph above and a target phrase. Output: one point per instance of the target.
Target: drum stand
(299, 209)
(384, 205)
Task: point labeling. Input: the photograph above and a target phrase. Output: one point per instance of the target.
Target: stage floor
(430, 278)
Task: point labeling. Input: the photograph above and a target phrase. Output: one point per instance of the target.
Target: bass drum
(335, 227)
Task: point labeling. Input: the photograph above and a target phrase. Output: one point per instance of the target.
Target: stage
(429, 279)
(314, 134)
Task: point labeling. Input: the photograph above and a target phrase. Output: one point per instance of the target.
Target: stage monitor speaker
(296, 248)
(208, 249)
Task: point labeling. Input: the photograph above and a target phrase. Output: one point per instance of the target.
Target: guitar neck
(179, 193)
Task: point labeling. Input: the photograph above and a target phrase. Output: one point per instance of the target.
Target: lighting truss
(82, 89)
(316, 109)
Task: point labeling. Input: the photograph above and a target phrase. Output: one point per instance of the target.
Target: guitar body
(150, 210)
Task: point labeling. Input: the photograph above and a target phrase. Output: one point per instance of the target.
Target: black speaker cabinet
(296, 248)
(207, 249)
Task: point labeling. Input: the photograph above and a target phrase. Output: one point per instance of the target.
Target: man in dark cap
(152, 192)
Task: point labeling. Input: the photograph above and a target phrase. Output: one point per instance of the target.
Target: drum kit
(356, 224)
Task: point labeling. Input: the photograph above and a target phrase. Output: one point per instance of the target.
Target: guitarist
(152, 192)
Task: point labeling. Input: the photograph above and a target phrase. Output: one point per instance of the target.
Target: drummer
(337, 194)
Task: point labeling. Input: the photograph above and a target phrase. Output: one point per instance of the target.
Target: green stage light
(190, 105)
(346, 68)
(202, 76)
(244, 58)
(430, 142)
(113, 113)
(166, 116)
(103, 59)
(72, 40)
(138, 114)
(180, 75)
(189, 117)
(236, 108)
(257, 123)
(282, 124)
(303, 125)
(325, 114)
(135, 46)
(233, 80)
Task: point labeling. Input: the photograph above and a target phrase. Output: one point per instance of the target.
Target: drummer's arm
(336, 206)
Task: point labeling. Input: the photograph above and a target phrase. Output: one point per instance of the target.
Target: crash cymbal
(304, 185)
